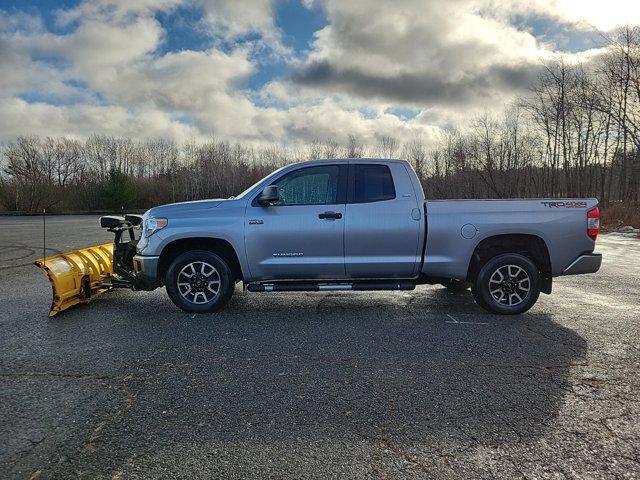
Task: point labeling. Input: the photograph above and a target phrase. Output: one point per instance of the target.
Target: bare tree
(387, 146)
(354, 147)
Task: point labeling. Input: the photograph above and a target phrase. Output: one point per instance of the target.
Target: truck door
(382, 228)
(302, 237)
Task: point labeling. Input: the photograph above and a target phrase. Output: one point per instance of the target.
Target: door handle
(330, 215)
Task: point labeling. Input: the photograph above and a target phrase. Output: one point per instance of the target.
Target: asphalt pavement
(419, 384)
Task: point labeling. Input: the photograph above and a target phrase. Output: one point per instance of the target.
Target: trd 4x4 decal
(564, 204)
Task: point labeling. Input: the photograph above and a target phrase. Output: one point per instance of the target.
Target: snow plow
(78, 277)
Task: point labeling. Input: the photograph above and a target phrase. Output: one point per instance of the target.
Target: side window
(372, 183)
(309, 186)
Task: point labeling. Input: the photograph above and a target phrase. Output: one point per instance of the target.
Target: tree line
(575, 134)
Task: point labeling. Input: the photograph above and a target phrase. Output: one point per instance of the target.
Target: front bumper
(146, 268)
(587, 263)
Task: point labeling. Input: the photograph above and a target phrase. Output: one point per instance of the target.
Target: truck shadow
(387, 369)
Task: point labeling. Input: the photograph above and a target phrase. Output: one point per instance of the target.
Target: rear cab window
(371, 183)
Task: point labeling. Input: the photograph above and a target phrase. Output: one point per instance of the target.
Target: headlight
(152, 225)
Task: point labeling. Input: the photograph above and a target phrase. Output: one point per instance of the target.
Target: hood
(177, 208)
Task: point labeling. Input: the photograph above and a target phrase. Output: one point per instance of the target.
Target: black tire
(454, 285)
(513, 299)
(192, 302)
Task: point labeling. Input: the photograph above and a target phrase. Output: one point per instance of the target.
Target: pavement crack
(407, 456)
(128, 401)
(33, 444)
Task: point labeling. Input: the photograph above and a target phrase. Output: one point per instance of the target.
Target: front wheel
(507, 284)
(199, 281)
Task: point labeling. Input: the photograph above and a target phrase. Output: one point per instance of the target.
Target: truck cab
(337, 220)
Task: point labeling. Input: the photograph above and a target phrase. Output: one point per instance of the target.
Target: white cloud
(182, 81)
(112, 10)
(22, 118)
(444, 59)
(605, 15)
(235, 18)
(23, 40)
(96, 44)
(420, 52)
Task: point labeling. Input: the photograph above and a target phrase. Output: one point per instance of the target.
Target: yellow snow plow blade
(76, 276)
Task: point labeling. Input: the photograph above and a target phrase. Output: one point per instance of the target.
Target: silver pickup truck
(361, 225)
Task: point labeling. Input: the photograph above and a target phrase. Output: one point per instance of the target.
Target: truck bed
(456, 227)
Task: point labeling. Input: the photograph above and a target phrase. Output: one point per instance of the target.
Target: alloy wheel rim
(199, 282)
(509, 285)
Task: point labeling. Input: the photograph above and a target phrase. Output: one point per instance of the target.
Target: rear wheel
(507, 284)
(199, 281)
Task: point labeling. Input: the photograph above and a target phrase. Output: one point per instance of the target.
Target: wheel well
(215, 245)
(530, 246)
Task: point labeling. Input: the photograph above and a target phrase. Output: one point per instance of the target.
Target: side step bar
(318, 287)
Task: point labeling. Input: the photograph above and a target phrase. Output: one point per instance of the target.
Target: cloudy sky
(287, 71)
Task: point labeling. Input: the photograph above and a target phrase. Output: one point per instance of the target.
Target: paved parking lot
(419, 384)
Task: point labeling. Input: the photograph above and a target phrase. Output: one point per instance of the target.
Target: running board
(320, 287)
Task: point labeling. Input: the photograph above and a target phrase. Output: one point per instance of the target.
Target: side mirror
(268, 196)
(111, 221)
(133, 219)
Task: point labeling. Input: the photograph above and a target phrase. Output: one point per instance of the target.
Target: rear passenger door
(382, 235)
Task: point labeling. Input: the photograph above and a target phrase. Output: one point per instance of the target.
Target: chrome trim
(587, 263)
(327, 287)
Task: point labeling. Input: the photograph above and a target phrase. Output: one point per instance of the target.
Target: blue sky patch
(47, 10)
(563, 36)
(184, 119)
(299, 23)
(403, 113)
(182, 31)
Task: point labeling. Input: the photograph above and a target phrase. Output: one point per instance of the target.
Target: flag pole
(44, 234)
